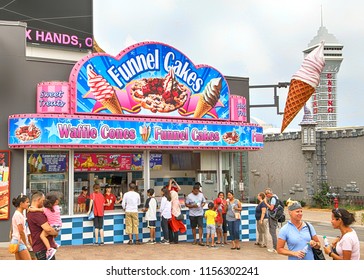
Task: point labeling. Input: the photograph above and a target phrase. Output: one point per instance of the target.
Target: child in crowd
(53, 212)
(210, 216)
(219, 221)
(150, 210)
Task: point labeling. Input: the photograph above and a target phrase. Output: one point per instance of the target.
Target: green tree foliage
(320, 198)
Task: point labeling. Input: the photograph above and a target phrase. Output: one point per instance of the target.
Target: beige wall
(281, 165)
(345, 161)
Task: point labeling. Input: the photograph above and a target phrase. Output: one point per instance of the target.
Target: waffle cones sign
(149, 79)
(107, 132)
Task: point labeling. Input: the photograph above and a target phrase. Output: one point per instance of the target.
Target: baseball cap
(84, 188)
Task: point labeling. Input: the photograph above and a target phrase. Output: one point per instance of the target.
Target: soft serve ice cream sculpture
(303, 84)
(103, 91)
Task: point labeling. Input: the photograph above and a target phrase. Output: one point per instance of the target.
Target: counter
(78, 230)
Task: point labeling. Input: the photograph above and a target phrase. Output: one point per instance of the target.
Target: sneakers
(272, 251)
(50, 253)
(165, 242)
(151, 242)
(57, 245)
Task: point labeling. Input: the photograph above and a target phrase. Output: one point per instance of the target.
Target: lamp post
(308, 146)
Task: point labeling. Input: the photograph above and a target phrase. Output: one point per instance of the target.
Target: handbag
(180, 217)
(13, 248)
(318, 255)
(91, 215)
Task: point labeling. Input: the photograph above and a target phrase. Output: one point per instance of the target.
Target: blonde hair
(293, 204)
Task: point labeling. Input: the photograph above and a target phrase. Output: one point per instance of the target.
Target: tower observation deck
(324, 100)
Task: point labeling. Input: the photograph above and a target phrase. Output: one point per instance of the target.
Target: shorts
(99, 222)
(131, 223)
(57, 227)
(151, 224)
(210, 229)
(21, 247)
(218, 226)
(42, 255)
(196, 221)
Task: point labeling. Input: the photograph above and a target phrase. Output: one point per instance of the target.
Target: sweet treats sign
(149, 79)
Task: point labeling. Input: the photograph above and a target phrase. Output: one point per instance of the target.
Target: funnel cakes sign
(149, 79)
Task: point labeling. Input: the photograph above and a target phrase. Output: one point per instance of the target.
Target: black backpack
(278, 211)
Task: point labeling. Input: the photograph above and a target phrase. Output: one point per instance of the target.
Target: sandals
(194, 242)
(257, 243)
(201, 244)
(130, 242)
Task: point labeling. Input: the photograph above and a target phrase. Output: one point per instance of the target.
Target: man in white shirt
(195, 201)
(130, 203)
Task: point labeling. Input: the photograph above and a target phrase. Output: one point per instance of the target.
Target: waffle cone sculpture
(303, 84)
(299, 93)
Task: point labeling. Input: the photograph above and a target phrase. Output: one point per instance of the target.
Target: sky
(261, 40)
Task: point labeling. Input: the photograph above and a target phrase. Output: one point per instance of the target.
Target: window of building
(47, 171)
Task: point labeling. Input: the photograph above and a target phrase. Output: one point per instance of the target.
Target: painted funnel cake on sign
(27, 132)
(162, 95)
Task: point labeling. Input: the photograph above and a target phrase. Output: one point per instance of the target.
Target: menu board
(102, 162)
(155, 162)
(137, 162)
(47, 162)
(4, 184)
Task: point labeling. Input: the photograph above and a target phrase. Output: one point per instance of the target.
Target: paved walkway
(182, 251)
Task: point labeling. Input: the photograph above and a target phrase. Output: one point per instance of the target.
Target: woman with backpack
(261, 217)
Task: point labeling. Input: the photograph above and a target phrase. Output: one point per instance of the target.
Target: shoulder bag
(13, 247)
(318, 255)
(180, 217)
(91, 214)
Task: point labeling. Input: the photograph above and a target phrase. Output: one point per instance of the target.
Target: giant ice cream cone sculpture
(208, 98)
(103, 91)
(303, 84)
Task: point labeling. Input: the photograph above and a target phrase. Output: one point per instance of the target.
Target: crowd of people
(37, 222)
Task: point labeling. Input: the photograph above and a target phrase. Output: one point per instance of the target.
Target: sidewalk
(181, 251)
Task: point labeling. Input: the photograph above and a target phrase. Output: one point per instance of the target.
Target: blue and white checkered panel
(80, 231)
(248, 224)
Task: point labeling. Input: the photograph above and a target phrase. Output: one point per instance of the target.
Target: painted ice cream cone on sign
(103, 91)
(144, 131)
(208, 98)
(303, 84)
